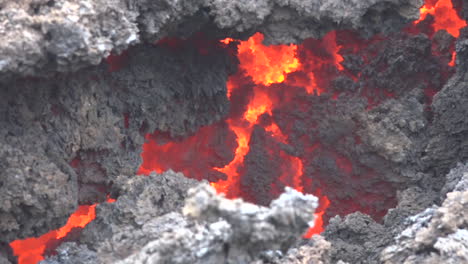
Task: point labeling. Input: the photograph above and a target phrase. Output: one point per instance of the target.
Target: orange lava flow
(267, 64)
(445, 16)
(31, 250)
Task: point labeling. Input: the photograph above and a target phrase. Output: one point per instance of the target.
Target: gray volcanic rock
(356, 238)
(42, 36)
(437, 235)
(230, 230)
(448, 144)
(71, 253)
(212, 229)
(419, 235)
(293, 21)
(38, 36)
(457, 180)
(122, 227)
(63, 141)
(317, 250)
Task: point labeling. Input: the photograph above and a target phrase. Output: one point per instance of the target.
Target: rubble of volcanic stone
(449, 130)
(437, 235)
(64, 140)
(148, 223)
(373, 134)
(66, 35)
(429, 233)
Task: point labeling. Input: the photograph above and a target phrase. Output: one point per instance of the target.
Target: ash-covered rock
(125, 226)
(395, 130)
(437, 235)
(38, 36)
(421, 235)
(448, 144)
(356, 238)
(456, 180)
(64, 140)
(71, 253)
(317, 250)
(231, 231)
(66, 35)
(212, 229)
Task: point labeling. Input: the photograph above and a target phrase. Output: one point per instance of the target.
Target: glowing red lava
(31, 250)
(266, 67)
(445, 16)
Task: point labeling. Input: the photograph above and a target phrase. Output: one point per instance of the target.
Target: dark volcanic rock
(212, 229)
(317, 250)
(122, 227)
(42, 36)
(356, 238)
(437, 235)
(448, 143)
(410, 233)
(64, 140)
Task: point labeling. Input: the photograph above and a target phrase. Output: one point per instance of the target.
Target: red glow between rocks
(445, 16)
(31, 250)
(266, 67)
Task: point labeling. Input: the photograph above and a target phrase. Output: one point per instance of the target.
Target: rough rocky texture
(40, 36)
(437, 235)
(64, 139)
(363, 138)
(129, 223)
(356, 239)
(449, 131)
(317, 250)
(71, 253)
(212, 229)
(234, 232)
(456, 180)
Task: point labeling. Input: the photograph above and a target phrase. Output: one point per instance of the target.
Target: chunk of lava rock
(142, 227)
(219, 230)
(437, 235)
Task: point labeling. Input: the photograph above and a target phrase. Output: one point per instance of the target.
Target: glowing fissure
(32, 250)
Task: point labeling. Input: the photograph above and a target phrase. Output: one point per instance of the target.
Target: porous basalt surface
(43, 36)
(65, 139)
(416, 231)
(431, 174)
(437, 235)
(146, 223)
(448, 144)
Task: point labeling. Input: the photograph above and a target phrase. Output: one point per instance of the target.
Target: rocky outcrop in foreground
(147, 223)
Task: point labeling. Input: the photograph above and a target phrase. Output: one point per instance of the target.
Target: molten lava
(270, 79)
(260, 67)
(267, 64)
(32, 250)
(445, 16)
